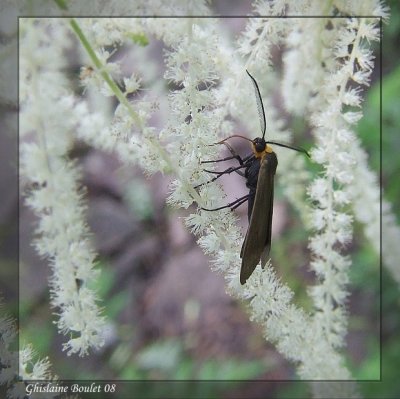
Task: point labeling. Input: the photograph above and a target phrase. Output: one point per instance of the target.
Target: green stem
(61, 4)
(113, 86)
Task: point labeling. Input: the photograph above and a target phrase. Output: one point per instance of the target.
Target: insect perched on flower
(259, 170)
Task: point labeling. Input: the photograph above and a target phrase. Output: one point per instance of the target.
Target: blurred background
(169, 316)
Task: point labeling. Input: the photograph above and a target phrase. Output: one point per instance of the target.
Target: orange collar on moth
(260, 154)
(268, 149)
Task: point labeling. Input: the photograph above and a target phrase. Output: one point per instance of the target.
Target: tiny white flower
(352, 117)
(318, 188)
(345, 135)
(319, 219)
(132, 83)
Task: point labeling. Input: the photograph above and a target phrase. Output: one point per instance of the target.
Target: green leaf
(231, 370)
(139, 38)
(368, 129)
(165, 356)
(40, 334)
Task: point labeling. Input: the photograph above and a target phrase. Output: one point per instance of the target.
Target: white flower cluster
(104, 34)
(16, 367)
(332, 115)
(33, 370)
(48, 118)
(127, 132)
(194, 124)
(261, 34)
(302, 51)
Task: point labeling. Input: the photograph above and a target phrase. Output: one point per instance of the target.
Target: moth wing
(257, 243)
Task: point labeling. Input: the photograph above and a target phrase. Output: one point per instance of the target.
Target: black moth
(259, 170)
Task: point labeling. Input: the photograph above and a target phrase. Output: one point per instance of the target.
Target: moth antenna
(260, 105)
(235, 135)
(299, 149)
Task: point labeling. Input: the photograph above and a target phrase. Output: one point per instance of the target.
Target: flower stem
(113, 86)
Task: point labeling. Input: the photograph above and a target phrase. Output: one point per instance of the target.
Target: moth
(258, 168)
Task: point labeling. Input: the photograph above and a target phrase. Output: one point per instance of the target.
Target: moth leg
(219, 174)
(226, 171)
(221, 160)
(243, 162)
(233, 205)
(235, 155)
(241, 202)
(232, 151)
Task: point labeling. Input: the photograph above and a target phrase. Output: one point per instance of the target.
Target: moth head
(259, 145)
